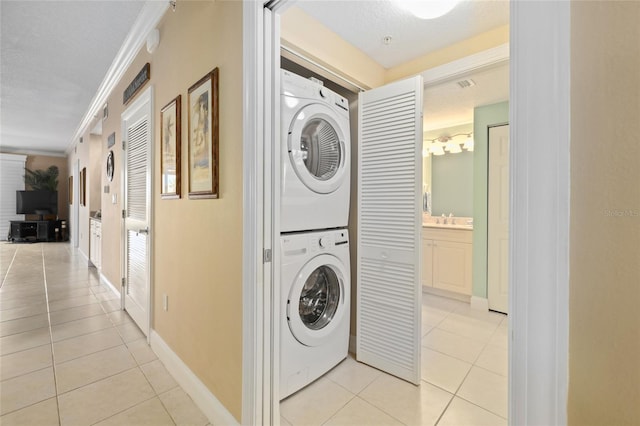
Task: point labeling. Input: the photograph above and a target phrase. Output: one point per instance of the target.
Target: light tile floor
(69, 356)
(464, 378)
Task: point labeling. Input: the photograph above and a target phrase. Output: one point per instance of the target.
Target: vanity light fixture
(427, 9)
(439, 145)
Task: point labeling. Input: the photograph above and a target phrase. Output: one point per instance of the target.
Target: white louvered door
(389, 297)
(137, 135)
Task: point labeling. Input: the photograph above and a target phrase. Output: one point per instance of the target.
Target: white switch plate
(114, 198)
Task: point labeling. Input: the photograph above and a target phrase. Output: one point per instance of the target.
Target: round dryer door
(318, 300)
(317, 148)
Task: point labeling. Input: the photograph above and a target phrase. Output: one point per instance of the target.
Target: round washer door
(317, 148)
(318, 300)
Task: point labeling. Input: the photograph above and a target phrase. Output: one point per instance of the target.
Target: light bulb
(437, 150)
(468, 144)
(453, 148)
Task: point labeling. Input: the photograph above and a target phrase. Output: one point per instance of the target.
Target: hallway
(69, 355)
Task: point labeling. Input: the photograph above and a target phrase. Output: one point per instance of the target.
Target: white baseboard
(479, 303)
(352, 344)
(108, 283)
(445, 293)
(84, 256)
(202, 397)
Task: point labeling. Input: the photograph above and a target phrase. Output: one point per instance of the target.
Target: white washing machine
(315, 148)
(315, 298)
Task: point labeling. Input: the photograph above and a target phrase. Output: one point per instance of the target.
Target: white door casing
(537, 75)
(498, 219)
(389, 291)
(137, 131)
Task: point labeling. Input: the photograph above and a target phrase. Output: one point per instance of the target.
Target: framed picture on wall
(83, 187)
(170, 148)
(70, 190)
(203, 137)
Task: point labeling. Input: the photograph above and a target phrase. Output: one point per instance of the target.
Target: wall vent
(466, 83)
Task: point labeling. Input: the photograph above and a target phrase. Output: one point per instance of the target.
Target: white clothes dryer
(314, 305)
(315, 160)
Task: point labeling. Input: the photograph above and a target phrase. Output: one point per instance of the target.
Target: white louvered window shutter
(11, 180)
(389, 222)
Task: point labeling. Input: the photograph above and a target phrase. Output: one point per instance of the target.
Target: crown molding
(147, 20)
(487, 58)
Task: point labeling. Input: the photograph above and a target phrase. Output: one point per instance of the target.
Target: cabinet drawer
(454, 235)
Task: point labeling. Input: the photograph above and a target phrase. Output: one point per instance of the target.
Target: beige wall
(197, 250)
(314, 40)
(604, 339)
(310, 37)
(43, 162)
(487, 40)
(96, 170)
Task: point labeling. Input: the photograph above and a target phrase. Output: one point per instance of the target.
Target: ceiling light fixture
(427, 9)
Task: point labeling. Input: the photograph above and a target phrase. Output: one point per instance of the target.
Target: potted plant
(42, 179)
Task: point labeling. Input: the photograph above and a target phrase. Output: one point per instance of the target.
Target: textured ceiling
(364, 23)
(53, 57)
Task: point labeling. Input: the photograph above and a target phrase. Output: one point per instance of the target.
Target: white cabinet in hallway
(95, 242)
(446, 259)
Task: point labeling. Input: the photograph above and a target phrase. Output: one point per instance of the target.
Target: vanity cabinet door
(427, 262)
(452, 266)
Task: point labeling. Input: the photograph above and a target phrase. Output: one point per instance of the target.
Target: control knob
(324, 242)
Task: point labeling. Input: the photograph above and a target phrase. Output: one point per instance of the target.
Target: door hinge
(124, 213)
(124, 145)
(266, 257)
(124, 280)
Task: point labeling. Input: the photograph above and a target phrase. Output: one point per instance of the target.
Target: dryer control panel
(320, 241)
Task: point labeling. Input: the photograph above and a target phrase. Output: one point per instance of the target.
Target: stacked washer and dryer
(314, 241)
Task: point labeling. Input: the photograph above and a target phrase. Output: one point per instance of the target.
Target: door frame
(540, 136)
(146, 97)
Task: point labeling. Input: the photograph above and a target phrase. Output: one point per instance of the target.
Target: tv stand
(36, 230)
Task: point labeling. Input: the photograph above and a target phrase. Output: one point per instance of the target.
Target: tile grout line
(53, 360)
(15, 254)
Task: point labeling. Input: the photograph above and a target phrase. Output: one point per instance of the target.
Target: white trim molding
(150, 15)
(253, 285)
(104, 280)
(199, 393)
(487, 58)
(540, 110)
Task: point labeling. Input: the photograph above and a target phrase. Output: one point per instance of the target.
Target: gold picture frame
(83, 187)
(170, 149)
(70, 190)
(203, 124)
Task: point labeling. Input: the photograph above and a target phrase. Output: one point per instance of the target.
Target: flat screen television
(37, 202)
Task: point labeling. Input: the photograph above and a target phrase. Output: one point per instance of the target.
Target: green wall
(452, 183)
(483, 118)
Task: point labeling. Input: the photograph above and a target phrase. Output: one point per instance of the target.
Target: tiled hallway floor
(464, 378)
(69, 356)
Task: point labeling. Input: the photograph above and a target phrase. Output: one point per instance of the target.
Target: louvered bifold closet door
(136, 211)
(137, 137)
(389, 223)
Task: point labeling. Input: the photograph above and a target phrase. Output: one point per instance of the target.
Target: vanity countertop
(449, 222)
(447, 226)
